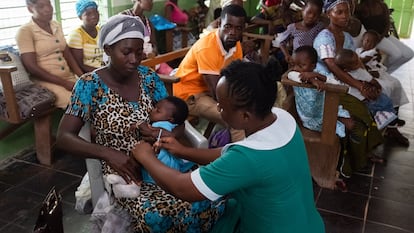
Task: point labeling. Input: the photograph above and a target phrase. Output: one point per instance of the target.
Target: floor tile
(399, 156)
(380, 228)
(48, 178)
(390, 171)
(335, 223)
(391, 213)
(71, 220)
(4, 187)
(359, 184)
(9, 175)
(15, 203)
(68, 195)
(11, 228)
(68, 163)
(393, 190)
(348, 203)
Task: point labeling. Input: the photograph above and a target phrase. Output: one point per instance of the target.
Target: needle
(159, 135)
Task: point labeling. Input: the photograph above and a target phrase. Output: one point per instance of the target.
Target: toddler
(309, 102)
(381, 107)
(167, 114)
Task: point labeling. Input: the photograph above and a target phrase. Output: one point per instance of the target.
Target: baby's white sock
(120, 188)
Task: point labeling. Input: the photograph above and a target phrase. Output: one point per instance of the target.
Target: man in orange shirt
(199, 71)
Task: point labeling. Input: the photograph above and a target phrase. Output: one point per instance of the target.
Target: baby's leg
(121, 188)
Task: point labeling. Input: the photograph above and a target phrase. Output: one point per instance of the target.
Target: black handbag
(50, 215)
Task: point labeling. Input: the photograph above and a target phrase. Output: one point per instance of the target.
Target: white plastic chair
(94, 166)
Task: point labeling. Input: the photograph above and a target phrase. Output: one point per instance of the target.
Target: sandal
(340, 185)
(396, 136)
(377, 159)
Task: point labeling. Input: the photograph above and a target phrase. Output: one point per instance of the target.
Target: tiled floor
(379, 202)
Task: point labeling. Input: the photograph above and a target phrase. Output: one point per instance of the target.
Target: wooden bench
(323, 147)
(38, 111)
(265, 42)
(169, 37)
(166, 57)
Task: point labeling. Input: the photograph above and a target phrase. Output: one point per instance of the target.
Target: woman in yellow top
(83, 41)
(44, 52)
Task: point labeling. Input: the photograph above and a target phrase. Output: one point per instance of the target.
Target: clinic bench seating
(29, 103)
(166, 57)
(323, 147)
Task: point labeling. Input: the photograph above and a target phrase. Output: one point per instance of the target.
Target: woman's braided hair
(253, 86)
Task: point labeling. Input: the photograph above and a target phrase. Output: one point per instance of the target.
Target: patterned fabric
(112, 116)
(120, 27)
(300, 38)
(33, 100)
(309, 102)
(82, 5)
(391, 86)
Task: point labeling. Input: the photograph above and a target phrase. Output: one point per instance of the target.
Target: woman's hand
(141, 150)
(370, 91)
(171, 144)
(320, 85)
(306, 77)
(125, 166)
(150, 134)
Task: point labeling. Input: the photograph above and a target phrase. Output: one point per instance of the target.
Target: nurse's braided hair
(253, 86)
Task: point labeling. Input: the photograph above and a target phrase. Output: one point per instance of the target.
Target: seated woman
(83, 41)
(44, 52)
(132, 89)
(364, 136)
(267, 173)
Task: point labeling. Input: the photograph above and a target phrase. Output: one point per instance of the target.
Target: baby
(368, 53)
(371, 58)
(381, 107)
(167, 114)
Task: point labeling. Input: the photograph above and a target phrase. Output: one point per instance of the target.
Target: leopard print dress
(112, 116)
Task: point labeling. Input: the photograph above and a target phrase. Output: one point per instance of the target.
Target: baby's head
(170, 109)
(347, 60)
(370, 39)
(305, 58)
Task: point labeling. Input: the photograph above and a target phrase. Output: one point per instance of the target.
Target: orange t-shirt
(206, 56)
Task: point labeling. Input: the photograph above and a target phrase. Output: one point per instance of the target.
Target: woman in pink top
(174, 13)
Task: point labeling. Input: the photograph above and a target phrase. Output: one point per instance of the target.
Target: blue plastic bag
(160, 23)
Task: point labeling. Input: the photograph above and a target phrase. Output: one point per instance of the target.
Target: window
(14, 13)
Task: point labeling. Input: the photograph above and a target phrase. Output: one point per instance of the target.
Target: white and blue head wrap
(120, 27)
(330, 4)
(83, 5)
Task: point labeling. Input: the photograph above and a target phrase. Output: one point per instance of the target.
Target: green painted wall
(403, 16)
(23, 138)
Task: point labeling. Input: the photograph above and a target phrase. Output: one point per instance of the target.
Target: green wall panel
(403, 16)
